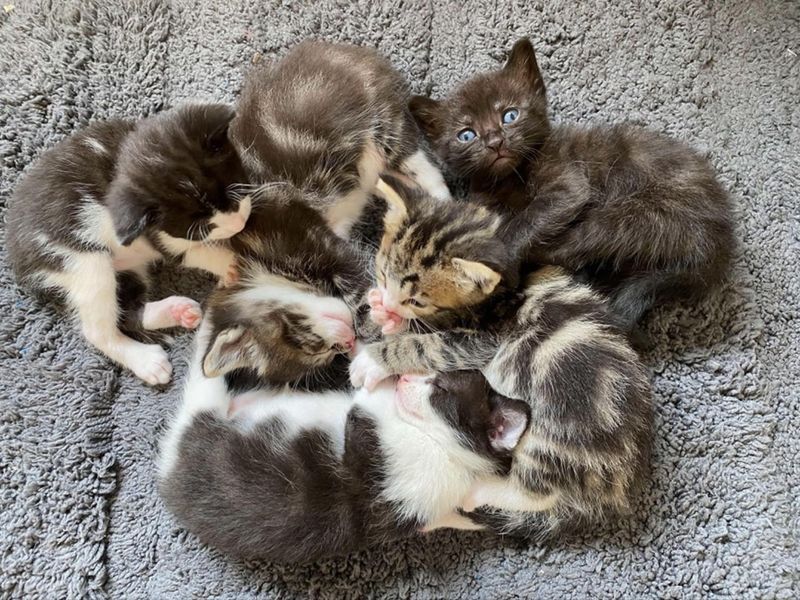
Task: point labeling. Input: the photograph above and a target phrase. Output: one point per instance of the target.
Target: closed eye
(414, 302)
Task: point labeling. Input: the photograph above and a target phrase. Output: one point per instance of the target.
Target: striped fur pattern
(553, 345)
(292, 313)
(293, 476)
(642, 216)
(329, 118)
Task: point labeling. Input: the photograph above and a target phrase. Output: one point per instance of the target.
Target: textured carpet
(79, 515)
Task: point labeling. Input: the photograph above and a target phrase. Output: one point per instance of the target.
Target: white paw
(389, 321)
(151, 364)
(186, 312)
(366, 372)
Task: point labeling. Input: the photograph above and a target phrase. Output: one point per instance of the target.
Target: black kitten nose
(494, 141)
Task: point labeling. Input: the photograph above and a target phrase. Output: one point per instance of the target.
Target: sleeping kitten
(294, 308)
(97, 209)
(298, 477)
(641, 215)
(553, 345)
(329, 118)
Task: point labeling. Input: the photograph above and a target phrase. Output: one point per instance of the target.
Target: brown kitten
(329, 118)
(95, 211)
(642, 216)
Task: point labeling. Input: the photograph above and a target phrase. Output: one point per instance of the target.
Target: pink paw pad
(187, 313)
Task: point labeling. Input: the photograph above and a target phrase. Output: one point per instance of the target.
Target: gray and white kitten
(297, 477)
(552, 345)
(329, 118)
(96, 210)
(641, 216)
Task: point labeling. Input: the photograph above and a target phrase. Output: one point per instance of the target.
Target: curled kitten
(297, 477)
(553, 345)
(329, 118)
(89, 218)
(291, 315)
(639, 215)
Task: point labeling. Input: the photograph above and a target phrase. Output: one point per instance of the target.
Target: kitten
(298, 477)
(329, 118)
(642, 216)
(97, 209)
(295, 306)
(552, 345)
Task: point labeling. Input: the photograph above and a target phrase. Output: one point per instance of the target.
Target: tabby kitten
(297, 477)
(97, 209)
(292, 314)
(642, 216)
(553, 345)
(329, 118)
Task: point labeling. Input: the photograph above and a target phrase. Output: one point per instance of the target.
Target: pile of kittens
(487, 339)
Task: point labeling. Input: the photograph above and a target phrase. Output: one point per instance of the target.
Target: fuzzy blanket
(79, 513)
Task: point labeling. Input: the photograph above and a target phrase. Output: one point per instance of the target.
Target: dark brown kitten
(642, 216)
(329, 118)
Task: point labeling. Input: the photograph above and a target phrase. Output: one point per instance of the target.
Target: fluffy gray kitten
(89, 218)
(329, 118)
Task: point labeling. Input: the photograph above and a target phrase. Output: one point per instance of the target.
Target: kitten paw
(151, 364)
(366, 372)
(338, 332)
(390, 322)
(174, 311)
(186, 312)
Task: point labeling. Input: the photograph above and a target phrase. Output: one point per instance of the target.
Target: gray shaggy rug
(79, 514)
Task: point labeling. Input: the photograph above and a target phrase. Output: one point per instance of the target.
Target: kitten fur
(641, 216)
(554, 346)
(96, 210)
(329, 118)
(291, 316)
(297, 477)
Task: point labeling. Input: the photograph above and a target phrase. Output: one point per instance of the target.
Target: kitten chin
(298, 477)
(96, 210)
(572, 194)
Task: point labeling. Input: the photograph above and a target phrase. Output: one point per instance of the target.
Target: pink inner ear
(507, 425)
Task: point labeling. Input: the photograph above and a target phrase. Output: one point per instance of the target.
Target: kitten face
(282, 334)
(175, 174)
(463, 402)
(435, 255)
(493, 122)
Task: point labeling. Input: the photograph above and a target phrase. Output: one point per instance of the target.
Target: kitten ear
(522, 62)
(397, 210)
(130, 214)
(478, 274)
(220, 117)
(232, 348)
(427, 113)
(508, 421)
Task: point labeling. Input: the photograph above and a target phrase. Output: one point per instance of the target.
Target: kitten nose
(494, 141)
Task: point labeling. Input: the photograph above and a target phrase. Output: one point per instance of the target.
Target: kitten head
(436, 255)
(463, 402)
(493, 122)
(274, 327)
(175, 174)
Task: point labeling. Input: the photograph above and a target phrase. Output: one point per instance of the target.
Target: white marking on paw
(174, 311)
(366, 371)
(150, 364)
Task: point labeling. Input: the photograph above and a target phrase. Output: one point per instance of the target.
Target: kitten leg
(422, 353)
(419, 167)
(174, 311)
(506, 494)
(214, 259)
(91, 288)
(453, 520)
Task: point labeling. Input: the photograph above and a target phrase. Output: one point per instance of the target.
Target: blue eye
(511, 115)
(466, 135)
